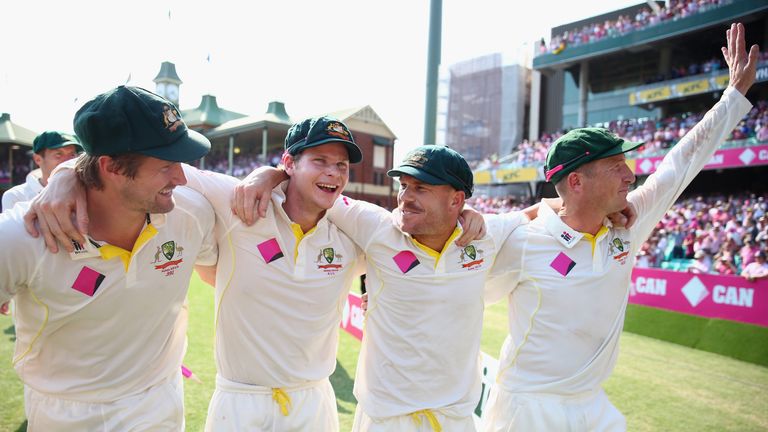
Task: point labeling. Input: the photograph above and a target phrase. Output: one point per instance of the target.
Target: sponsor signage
(686, 88)
(730, 298)
(352, 316)
(725, 158)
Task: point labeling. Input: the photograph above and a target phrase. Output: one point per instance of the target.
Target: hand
(741, 67)
(364, 303)
(53, 208)
(5, 308)
(254, 193)
(473, 226)
(625, 218)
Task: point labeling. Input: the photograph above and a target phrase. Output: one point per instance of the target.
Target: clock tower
(168, 82)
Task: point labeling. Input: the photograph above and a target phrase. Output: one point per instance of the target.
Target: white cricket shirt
(279, 292)
(569, 290)
(107, 325)
(421, 345)
(23, 192)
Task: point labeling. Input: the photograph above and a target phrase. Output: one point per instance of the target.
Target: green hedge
(740, 341)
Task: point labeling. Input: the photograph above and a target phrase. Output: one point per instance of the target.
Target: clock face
(160, 89)
(172, 92)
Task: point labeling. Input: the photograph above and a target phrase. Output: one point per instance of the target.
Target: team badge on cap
(171, 118)
(417, 159)
(337, 129)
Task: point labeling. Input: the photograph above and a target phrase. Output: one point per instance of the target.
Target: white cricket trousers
(237, 407)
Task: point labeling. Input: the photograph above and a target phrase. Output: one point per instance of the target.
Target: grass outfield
(658, 385)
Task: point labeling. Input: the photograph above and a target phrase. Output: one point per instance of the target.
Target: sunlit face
(606, 183)
(427, 209)
(49, 159)
(151, 191)
(318, 175)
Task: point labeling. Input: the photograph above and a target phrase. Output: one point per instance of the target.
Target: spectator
(701, 263)
(758, 269)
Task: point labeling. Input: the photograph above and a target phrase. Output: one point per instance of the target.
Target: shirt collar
(566, 235)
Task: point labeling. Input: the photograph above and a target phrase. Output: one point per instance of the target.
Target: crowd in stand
(242, 164)
(714, 234)
(497, 205)
(624, 24)
(658, 135)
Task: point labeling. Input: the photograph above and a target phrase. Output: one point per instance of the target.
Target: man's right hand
(51, 211)
(742, 66)
(252, 195)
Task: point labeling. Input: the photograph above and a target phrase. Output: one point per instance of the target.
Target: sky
(314, 56)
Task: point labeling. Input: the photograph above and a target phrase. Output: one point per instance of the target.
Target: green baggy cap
(437, 165)
(135, 120)
(581, 146)
(54, 140)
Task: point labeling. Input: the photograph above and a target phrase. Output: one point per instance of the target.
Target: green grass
(740, 341)
(658, 385)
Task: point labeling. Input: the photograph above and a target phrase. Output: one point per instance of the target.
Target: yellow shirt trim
(433, 253)
(109, 251)
(593, 238)
(299, 234)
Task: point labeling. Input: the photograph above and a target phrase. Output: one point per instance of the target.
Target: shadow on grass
(342, 383)
(22, 427)
(11, 330)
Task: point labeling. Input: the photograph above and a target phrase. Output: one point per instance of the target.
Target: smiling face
(151, 190)
(428, 210)
(318, 176)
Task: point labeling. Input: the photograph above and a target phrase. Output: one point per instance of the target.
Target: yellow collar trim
(433, 253)
(593, 238)
(299, 234)
(109, 251)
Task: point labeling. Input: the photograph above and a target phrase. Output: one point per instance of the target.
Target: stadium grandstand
(649, 73)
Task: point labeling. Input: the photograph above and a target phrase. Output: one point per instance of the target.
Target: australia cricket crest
(618, 249)
(329, 261)
(168, 250)
(469, 257)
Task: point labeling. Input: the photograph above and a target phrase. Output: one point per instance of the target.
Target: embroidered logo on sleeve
(406, 261)
(563, 264)
(270, 250)
(88, 281)
(83, 250)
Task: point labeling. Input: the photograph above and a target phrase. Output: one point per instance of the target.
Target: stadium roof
(209, 113)
(274, 116)
(11, 133)
(364, 119)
